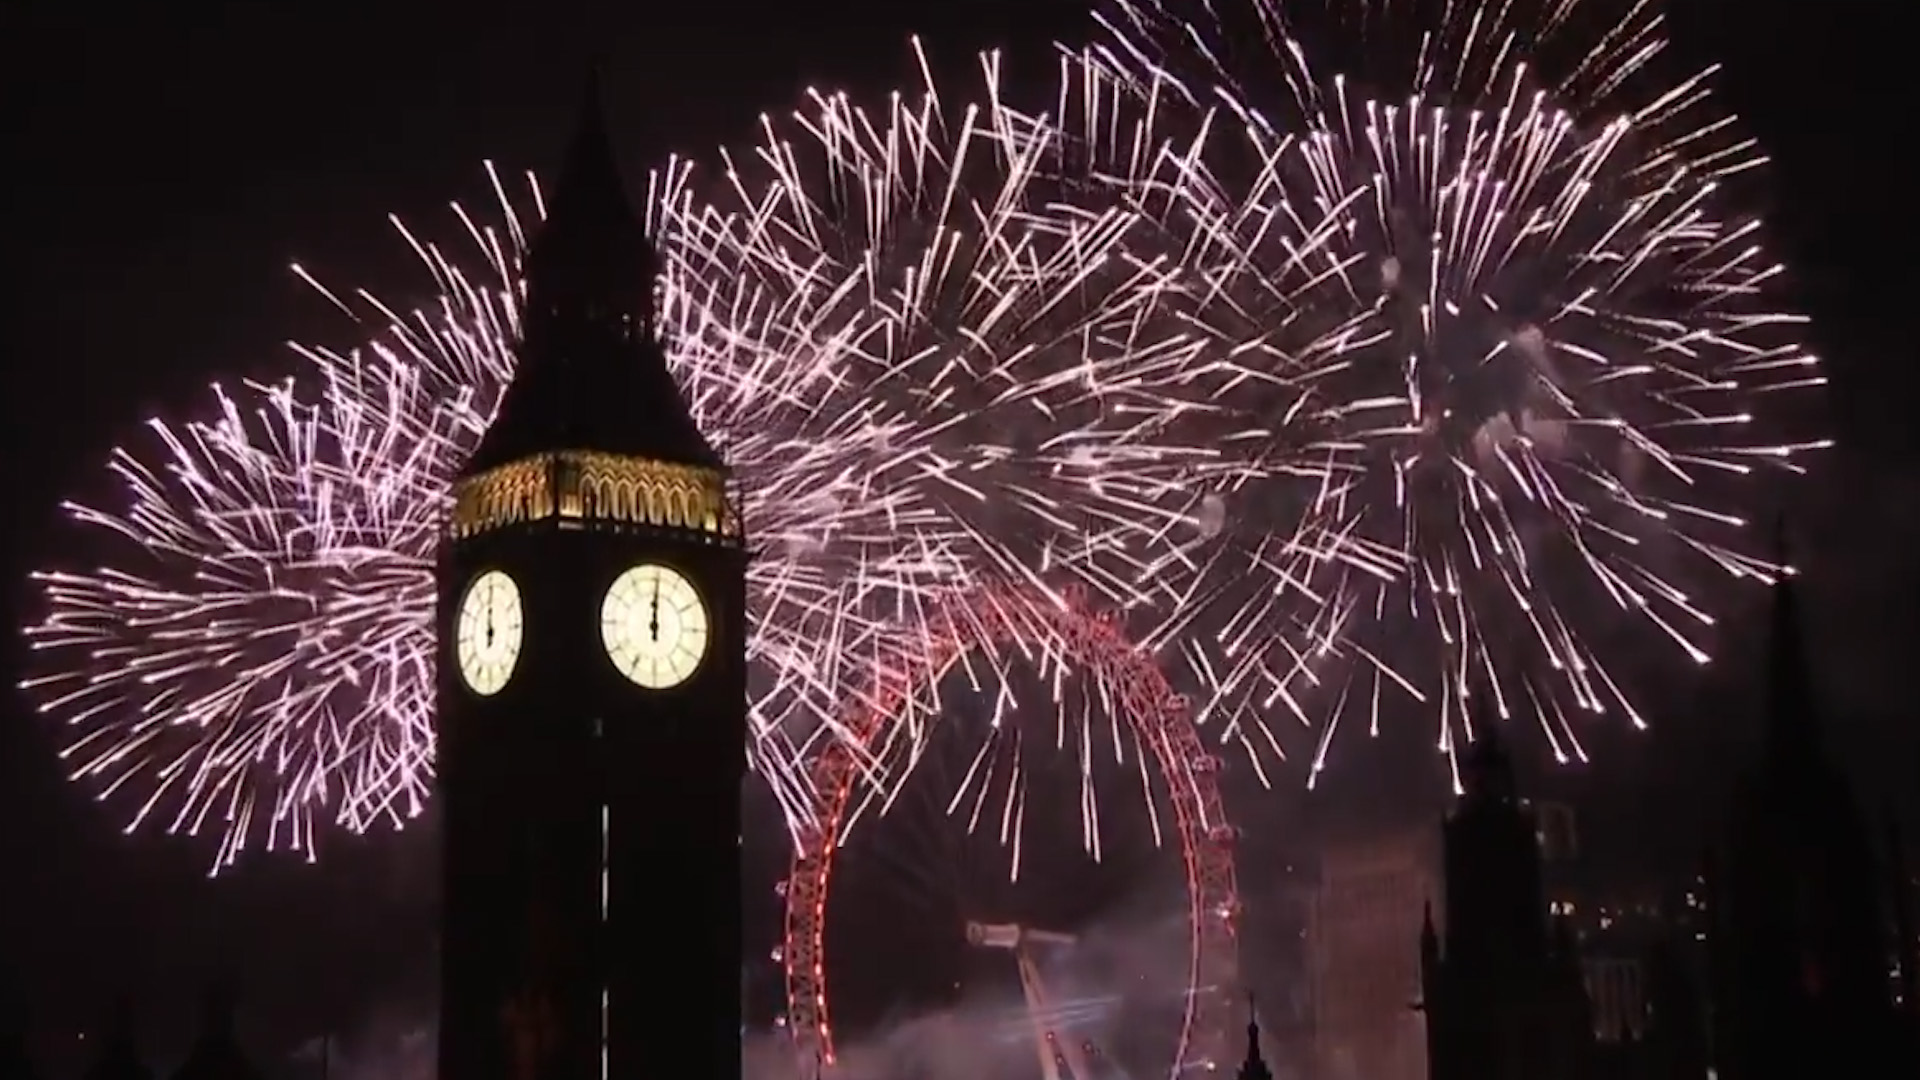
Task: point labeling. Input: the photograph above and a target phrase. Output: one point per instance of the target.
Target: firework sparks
(903, 356)
(1486, 350)
(1399, 383)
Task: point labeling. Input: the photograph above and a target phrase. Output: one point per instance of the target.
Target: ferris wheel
(892, 726)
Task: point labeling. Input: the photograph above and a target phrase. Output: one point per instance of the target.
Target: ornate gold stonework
(588, 487)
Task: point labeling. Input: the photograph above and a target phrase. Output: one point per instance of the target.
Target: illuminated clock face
(654, 626)
(489, 632)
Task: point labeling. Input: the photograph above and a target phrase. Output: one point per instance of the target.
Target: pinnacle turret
(1486, 770)
(1255, 1066)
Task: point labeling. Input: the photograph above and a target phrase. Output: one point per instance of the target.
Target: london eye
(1025, 840)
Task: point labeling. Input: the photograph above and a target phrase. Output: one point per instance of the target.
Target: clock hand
(653, 619)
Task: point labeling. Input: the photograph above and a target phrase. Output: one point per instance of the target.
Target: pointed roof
(1791, 718)
(588, 213)
(592, 372)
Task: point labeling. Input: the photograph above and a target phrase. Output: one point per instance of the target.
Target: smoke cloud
(1116, 991)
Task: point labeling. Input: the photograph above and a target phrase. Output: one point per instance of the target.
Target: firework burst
(232, 665)
(904, 356)
(1481, 347)
(1357, 363)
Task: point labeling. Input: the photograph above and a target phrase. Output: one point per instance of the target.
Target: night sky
(163, 171)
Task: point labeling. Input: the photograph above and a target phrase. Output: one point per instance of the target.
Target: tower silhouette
(592, 684)
(1799, 934)
(1500, 981)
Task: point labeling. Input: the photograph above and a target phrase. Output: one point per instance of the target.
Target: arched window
(650, 510)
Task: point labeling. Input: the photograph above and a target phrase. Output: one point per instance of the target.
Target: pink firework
(907, 352)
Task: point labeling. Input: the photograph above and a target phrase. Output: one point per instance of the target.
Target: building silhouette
(592, 685)
(1501, 980)
(1792, 955)
(1803, 935)
(1524, 980)
(1638, 943)
(1367, 905)
(1254, 1067)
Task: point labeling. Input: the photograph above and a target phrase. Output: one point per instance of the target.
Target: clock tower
(592, 700)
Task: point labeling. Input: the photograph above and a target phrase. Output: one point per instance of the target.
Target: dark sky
(163, 170)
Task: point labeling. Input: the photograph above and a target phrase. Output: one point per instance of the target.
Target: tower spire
(1255, 1066)
(590, 195)
(592, 372)
(1486, 770)
(1791, 720)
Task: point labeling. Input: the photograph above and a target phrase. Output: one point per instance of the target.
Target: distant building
(1501, 982)
(1528, 976)
(1793, 956)
(1619, 929)
(1557, 827)
(1367, 907)
(1280, 937)
(1805, 913)
(1254, 1067)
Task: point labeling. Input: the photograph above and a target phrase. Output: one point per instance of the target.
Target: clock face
(488, 633)
(654, 626)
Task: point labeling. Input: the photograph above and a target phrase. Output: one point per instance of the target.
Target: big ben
(592, 703)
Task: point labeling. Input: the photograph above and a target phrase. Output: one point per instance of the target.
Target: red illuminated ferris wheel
(993, 623)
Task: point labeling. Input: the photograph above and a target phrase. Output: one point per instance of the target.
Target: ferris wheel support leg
(1037, 1007)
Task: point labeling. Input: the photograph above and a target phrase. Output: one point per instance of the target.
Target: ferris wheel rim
(994, 618)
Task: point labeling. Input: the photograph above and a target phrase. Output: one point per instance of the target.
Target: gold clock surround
(583, 487)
